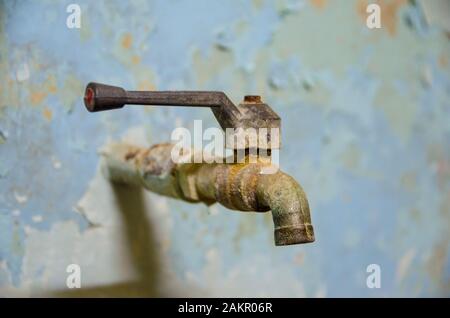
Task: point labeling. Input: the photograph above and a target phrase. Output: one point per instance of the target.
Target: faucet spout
(290, 209)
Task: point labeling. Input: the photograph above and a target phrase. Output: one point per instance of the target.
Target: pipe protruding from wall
(240, 186)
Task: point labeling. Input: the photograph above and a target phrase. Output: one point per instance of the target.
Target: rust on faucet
(238, 186)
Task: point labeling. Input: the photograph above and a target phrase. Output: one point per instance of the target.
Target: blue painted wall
(366, 132)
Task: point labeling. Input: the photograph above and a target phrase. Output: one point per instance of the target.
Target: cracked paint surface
(365, 131)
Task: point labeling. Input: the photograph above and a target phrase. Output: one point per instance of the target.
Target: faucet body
(237, 186)
(242, 186)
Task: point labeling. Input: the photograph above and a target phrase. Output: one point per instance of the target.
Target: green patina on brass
(237, 186)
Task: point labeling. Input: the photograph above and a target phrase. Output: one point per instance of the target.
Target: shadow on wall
(142, 248)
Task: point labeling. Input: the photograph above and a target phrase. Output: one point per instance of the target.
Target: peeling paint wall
(366, 132)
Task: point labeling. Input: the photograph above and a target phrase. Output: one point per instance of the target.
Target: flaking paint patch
(132, 57)
(23, 73)
(20, 197)
(127, 41)
(100, 251)
(319, 4)
(54, 250)
(47, 113)
(37, 97)
(40, 91)
(244, 39)
(389, 18)
(57, 164)
(37, 218)
(136, 59)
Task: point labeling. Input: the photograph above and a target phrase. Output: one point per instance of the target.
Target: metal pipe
(236, 186)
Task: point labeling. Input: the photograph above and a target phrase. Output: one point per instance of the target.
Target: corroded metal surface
(236, 186)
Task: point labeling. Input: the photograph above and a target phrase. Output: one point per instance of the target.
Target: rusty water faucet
(237, 186)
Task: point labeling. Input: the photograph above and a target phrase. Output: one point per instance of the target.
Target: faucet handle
(251, 113)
